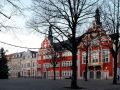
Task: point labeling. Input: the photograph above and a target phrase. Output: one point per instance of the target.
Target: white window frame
(83, 55)
(95, 55)
(108, 55)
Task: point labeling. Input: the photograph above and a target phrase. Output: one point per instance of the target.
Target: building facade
(96, 45)
(63, 62)
(29, 64)
(23, 64)
(100, 61)
(14, 64)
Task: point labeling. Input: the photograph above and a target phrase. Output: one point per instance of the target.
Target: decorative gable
(95, 37)
(45, 43)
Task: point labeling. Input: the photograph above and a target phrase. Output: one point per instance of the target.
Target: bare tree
(66, 18)
(53, 56)
(86, 44)
(8, 9)
(111, 23)
(54, 52)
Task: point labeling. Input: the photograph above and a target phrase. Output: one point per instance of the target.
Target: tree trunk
(86, 66)
(74, 70)
(54, 72)
(116, 37)
(115, 69)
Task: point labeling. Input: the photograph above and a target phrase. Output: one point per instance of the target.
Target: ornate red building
(100, 61)
(63, 64)
(96, 45)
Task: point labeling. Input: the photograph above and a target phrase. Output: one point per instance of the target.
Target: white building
(29, 64)
(23, 64)
(14, 66)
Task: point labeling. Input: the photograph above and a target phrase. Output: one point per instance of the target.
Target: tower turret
(50, 37)
(97, 17)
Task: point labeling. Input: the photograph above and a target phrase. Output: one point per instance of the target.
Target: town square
(60, 45)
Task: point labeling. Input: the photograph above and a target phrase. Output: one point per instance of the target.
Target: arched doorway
(98, 75)
(91, 74)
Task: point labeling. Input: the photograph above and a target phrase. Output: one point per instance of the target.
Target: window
(34, 55)
(23, 57)
(57, 73)
(95, 56)
(67, 63)
(24, 65)
(83, 58)
(58, 65)
(62, 73)
(66, 53)
(63, 64)
(33, 64)
(49, 73)
(43, 57)
(28, 64)
(69, 53)
(20, 54)
(95, 41)
(70, 63)
(103, 38)
(47, 57)
(105, 56)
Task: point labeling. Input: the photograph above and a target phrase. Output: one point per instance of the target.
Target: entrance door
(98, 75)
(18, 74)
(44, 75)
(28, 72)
(91, 75)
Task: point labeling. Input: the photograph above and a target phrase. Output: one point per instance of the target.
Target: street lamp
(106, 72)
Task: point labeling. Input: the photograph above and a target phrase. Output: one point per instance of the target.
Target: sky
(20, 36)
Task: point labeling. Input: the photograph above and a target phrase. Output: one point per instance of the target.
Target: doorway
(91, 74)
(98, 75)
(44, 75)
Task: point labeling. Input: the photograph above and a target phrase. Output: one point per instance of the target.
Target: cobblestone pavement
(44, 84)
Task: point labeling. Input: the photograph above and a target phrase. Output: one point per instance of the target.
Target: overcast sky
(21, 37)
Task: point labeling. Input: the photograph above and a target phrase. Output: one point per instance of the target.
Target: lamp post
(106, 72)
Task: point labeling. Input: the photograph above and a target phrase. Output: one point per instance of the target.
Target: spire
(50, 30)
(97, 17)
(50, 37)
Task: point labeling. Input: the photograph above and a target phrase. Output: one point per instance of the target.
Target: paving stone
(46, 84)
